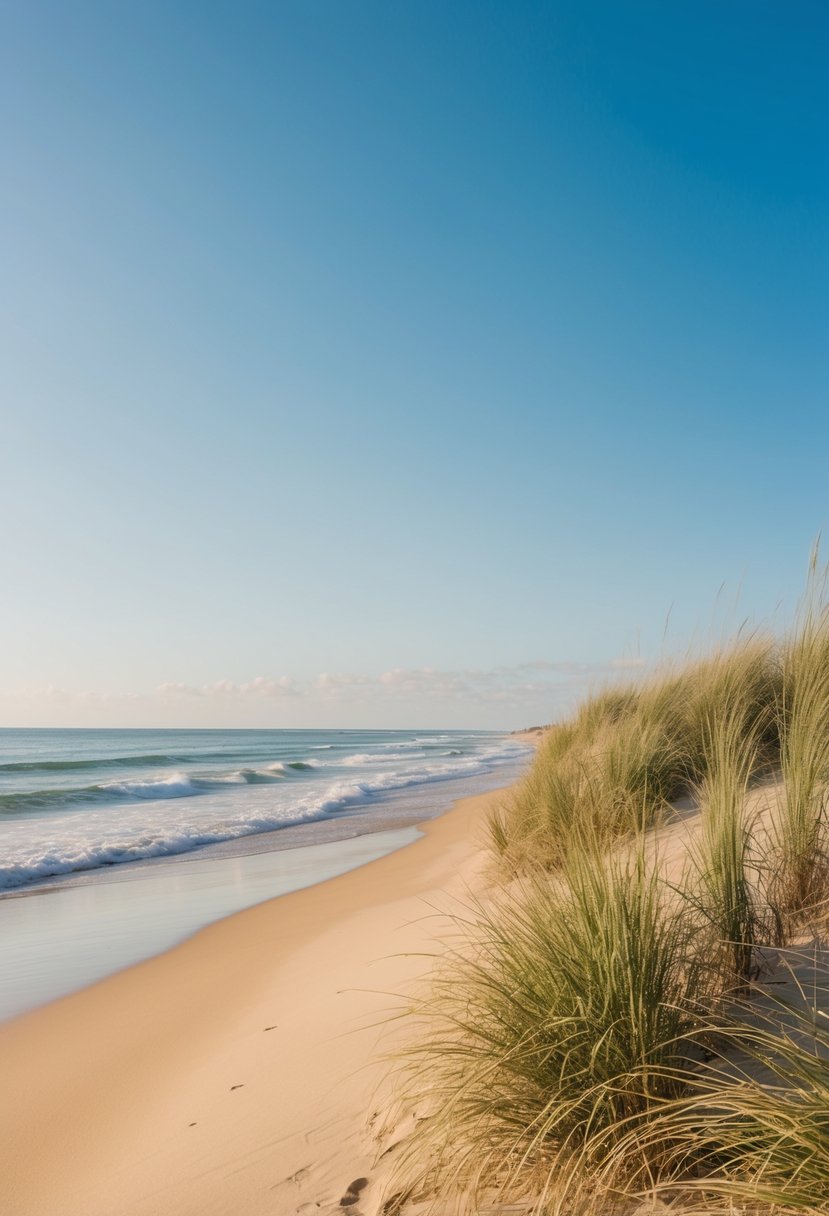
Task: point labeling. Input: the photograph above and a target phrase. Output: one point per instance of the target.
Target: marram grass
(581, 1049)
(562, 1018)
(751, 1132)
(721, 853)
(803, 724)
(637, 747)
(765, 1131)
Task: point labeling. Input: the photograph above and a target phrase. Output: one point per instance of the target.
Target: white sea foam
(159, 815)
(362, 758)
(176, 785)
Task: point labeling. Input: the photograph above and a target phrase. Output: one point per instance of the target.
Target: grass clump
(764, 1134)
(562, 1019)
(593, 1038)
(737, 684)
(753, 1127)
(637, 747)
(721, 853)
(803, 715)
(598, 783)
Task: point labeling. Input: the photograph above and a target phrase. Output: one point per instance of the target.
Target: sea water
(78, 800)
(115, 845)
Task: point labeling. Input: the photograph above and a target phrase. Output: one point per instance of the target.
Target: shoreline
(238, 1066)
(98, 921)
(84, 932)
(358, 812)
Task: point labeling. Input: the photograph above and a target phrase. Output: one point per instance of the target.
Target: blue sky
(402, 364)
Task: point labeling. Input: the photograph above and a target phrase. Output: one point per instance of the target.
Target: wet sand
(241, 1071)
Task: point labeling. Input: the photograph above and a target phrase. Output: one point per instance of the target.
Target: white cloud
(428, 681)
(178, 690)
(336, 682)
(264, 687)
(533, 680)
(538, 681)
(261, 686)
(537, 688)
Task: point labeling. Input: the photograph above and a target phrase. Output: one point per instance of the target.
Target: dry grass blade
(754, 1128)
(560, 1017)
(721, 854)
(633, 748)
(803, 711)
(593, 1041)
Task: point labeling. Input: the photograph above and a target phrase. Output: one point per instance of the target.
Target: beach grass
(560, 1021)
(721, 853)
(803, 724)
(637, 748)
(760, 1130)
(750, 1131)
(598, 1035)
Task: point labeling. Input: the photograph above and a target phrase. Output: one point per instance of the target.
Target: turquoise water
(79, 800)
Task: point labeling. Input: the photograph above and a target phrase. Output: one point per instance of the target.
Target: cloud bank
(537, 690)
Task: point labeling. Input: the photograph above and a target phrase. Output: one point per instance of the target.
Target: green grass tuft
(579, 1047)
(803, 720)
(560, 1018)
(722, 852)
(637, 747)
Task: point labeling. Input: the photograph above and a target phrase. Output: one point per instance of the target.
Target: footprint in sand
(353, 1190)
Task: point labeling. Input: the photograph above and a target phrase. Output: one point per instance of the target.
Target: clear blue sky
(444, 349)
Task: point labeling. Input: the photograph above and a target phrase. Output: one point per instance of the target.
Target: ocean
(116, 844)
(79, 800)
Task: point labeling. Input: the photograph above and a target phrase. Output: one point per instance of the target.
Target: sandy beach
(380, 380)
(242, 1071)
(246, 1070)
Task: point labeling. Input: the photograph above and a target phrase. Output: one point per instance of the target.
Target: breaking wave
(55, 831)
